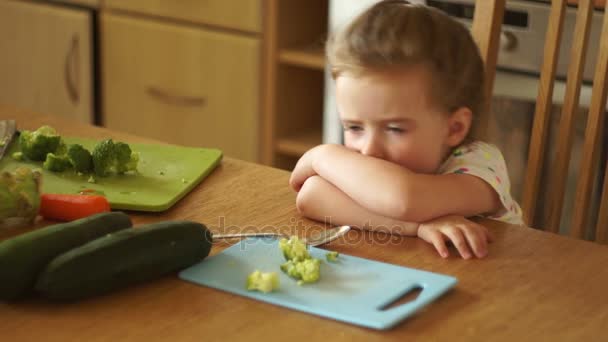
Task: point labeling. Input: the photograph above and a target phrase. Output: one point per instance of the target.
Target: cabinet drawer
(241, 14)
(181, 85)
(46, 61)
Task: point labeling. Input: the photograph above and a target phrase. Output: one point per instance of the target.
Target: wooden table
(533, 285)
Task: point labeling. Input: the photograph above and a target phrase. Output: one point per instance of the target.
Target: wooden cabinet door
(45, 64)
(245, 15)
(182, 85)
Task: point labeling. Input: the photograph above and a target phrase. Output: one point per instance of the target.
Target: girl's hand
(468, 237)
(304, 167)
(302, 171)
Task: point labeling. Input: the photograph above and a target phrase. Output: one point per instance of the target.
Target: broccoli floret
(307, 270)
(331, 256)
(56, 163)
(263, 282)
(293, 249)
(80, 158)
(37, 144)
(113, 158)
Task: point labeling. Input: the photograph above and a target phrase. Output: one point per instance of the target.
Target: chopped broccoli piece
(332, 256)
(56, 163)
(263, 282)
(289, 268)
(80, 158)
(17, 155)
(307, 270)
(113, 158)
(37, 144)
(19, 194)
(293, 249)
(300, 265)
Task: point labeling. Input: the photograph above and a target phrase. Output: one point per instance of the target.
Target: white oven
(515, 87)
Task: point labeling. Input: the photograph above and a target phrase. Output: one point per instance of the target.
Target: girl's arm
(391, 190)
(320, 200)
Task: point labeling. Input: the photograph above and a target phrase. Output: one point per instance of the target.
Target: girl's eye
(353, 128)
(395, 129)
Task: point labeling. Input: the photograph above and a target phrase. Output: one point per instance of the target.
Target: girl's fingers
(489, 235)
(458, 240)
(436, 238)
(439, 243)
(476, 238)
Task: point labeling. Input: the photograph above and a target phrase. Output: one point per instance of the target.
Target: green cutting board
(166, 174)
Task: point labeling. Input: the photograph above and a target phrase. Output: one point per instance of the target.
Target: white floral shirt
(485, 161)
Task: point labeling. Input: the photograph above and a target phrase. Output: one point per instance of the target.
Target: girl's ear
(459, 124)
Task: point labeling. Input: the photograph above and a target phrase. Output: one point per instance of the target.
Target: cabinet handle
(172, 99)
(71, 70)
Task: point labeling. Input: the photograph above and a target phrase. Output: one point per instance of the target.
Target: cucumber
(124, 258)
(23, 257)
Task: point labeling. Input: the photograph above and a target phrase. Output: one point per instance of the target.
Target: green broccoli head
(56, 163)
(264, 282)
(113, 158)
(80, 158)
(127, 159)
(293, 249)
(35, 145)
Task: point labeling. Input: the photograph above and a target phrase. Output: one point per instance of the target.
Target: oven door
(510, 127)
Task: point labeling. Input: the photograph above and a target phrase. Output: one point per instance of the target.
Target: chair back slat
(544, 102)
(594, 134)
(487, 23)
(559, 169)
(601, 230)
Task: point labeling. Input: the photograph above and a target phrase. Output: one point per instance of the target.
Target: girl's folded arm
(390, 190)
(320, 200)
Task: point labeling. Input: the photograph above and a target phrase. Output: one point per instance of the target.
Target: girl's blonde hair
(395, 33)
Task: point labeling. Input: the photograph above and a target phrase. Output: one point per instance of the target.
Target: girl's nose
(373, 147)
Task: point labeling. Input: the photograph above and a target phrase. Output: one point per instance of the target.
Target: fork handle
(241, 235)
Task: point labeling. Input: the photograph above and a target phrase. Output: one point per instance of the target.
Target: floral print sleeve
(486, 162)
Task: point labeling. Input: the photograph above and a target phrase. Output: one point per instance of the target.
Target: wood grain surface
(533, 285)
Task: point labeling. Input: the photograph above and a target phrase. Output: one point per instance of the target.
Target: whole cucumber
(124, 258)
(23, 257)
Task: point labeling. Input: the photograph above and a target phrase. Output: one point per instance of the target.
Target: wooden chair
(487, 23)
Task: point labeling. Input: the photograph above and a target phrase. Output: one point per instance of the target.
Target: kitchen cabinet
(295, 34)
(165, 75)
(46, 62)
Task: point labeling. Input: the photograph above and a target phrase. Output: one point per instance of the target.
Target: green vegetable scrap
(262, 281)
(17, 155)
(35, 145)
(300, 265)
(19, 194)
(332, 256)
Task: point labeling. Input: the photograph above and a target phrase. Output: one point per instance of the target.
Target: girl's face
(389, 115)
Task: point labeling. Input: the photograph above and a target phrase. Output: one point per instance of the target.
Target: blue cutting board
(352, 289)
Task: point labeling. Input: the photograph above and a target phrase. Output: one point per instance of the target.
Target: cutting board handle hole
(408, 297)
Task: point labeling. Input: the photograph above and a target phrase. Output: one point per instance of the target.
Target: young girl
(409, 82)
